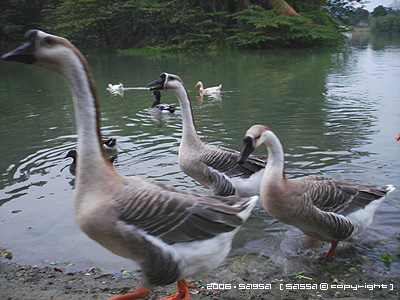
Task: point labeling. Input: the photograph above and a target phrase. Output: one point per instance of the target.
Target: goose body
(170, 233)
(213, 166)
(158, 107)
(207, 91)
(73, 154)
(323, 208)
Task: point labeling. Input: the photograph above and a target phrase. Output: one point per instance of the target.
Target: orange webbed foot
(136, 293)
(183, 291)
(332, 249)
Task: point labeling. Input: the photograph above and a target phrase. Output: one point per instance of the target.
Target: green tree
(379, 11)
(16, 17)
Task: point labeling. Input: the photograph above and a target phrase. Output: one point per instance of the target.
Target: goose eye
(48, 40)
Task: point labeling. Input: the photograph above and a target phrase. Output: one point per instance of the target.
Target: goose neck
(87, 114)
(189, 128)
(276, 158)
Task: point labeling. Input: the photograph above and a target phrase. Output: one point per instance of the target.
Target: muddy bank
(242, 277)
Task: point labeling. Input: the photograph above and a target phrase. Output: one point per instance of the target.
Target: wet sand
(247, 276)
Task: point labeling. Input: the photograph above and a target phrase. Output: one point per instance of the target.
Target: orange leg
(332, 249)
(137, 293)
(183, 291)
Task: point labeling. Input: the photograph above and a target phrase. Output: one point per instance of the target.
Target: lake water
(336, 111)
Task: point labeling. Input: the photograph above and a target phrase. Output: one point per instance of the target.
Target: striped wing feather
(339, 196)
(176, 216)
(225, 160)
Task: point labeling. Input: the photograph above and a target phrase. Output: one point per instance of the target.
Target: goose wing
(176, 216)
(225, 160)
(338, 196)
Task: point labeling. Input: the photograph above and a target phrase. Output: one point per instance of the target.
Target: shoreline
(242, 277)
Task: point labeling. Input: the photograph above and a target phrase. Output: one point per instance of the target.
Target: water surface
(336, 111)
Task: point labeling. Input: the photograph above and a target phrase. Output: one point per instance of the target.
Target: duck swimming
(73, 155)
(207, 91)
(158, 107)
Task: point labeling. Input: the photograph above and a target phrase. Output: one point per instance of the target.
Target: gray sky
(374, 3)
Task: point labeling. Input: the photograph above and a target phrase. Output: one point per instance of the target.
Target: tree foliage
(268, 29)
(385, 20)
(177, 24)
(16, 17)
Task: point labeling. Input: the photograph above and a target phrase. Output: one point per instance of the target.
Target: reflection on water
(335, 111)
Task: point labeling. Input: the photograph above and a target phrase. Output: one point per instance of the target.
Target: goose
(323, 208)
(109, 143)
(210, 90)
(215, 167)
(171, 234)
(158, 107)
(73, 155)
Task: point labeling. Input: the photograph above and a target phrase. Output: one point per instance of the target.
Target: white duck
(170, 233)
(323, 208)
(116, 89)
(208, 91)
(213, 166)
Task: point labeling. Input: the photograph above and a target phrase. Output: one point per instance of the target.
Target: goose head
(166, 82)
(45, 51)
(255, 136)
(199, 83)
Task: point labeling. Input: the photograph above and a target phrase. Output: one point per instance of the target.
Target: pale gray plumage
(324, 208)
(170, 233)
(213, 166)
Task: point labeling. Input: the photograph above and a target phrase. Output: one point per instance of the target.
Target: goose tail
(250, 204)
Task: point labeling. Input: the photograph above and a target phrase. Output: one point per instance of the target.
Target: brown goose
(213, 166)
(323, 208)
(170, 233)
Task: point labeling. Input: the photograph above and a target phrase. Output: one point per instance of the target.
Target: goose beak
(24, 53)
(248, 148)
(196, 85)
(159, 83)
